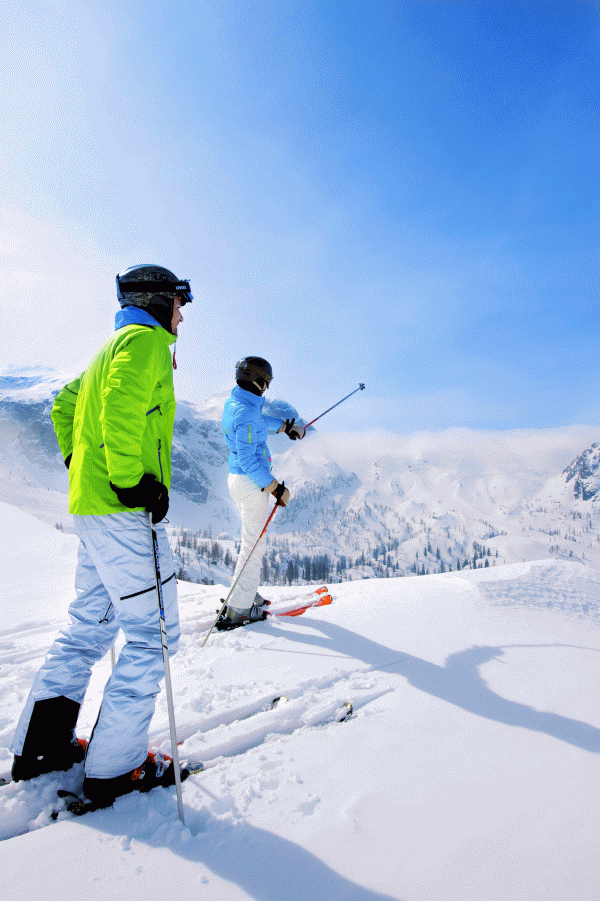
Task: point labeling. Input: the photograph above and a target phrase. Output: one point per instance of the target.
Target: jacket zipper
(153, 410)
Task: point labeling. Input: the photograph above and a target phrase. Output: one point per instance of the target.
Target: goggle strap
(155, 287)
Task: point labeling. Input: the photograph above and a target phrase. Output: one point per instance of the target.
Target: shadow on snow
(458, 682)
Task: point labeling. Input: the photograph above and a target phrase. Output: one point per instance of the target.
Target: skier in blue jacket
(250, 479)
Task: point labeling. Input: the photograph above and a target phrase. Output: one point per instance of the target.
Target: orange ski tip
(322, 602)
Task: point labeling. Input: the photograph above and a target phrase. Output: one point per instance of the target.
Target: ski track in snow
(231, 730)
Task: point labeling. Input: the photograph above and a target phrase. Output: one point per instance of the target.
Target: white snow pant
(115, 584)
(253, 506)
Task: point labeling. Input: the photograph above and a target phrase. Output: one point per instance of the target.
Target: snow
(468, 770)
(37, 568)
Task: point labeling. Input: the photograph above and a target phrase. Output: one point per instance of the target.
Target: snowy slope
(468, 771)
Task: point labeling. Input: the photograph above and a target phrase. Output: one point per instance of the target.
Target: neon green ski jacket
(116, 419)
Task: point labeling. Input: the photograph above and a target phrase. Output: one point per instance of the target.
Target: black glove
(293, 431)
(148, 493)
(281, 494)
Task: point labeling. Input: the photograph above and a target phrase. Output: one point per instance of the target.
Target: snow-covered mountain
(578, 482)
(376, 504)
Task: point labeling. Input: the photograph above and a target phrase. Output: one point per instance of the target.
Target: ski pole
(361, 387)
(168, 686)
(237, 579)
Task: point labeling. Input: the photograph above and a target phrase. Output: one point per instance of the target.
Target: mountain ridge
(376, 504)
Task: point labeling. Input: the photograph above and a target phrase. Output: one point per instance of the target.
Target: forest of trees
(282, 566)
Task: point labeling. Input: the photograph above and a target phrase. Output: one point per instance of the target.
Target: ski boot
(156, 770)
(50, 743)
(231, 618)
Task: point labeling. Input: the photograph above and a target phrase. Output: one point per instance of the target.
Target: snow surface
(468, 771)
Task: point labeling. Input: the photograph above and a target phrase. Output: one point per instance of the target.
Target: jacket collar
(247, 397)
(134, 316)
(138, 316)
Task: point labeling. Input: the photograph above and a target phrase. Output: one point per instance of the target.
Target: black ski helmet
(251, 368)
(153, 288)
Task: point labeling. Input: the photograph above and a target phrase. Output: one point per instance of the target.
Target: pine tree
(290, 572)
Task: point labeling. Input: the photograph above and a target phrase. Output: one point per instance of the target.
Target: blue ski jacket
(246, 431)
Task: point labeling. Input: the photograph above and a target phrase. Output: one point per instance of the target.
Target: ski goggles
(180, 288)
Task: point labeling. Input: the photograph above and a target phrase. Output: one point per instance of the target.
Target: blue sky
(402, 193)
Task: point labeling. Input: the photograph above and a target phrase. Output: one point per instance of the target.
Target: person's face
(177, 317)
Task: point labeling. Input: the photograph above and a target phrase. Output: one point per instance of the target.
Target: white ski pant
(253, 506)
(115, 584)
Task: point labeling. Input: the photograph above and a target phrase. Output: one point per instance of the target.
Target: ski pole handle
(361, 387)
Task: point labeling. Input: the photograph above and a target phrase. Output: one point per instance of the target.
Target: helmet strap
(251, 387)
(261, 385)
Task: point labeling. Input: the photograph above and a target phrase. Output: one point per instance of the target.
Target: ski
(322, 601)
(239, 714)
(338, 712)
(78, 805)
(288, 606)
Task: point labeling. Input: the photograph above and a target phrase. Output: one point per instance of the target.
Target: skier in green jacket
(114, 426)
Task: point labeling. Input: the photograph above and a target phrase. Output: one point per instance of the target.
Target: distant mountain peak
(584, 472)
